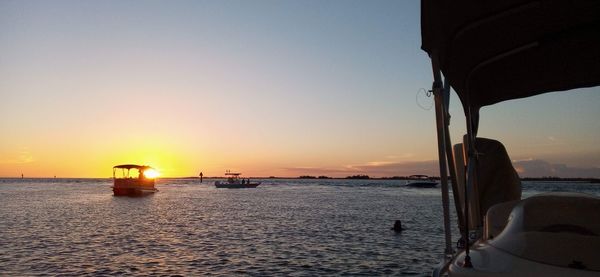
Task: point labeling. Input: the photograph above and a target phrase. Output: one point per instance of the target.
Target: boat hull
(236, 186)
(133, 187)
(490, 261)
(422, 184)
(132, 191)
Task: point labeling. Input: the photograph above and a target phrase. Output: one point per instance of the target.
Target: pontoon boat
(128, 184)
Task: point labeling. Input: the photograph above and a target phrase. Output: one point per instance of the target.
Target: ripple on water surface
(286, 227)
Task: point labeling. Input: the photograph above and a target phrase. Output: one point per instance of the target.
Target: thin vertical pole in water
(441, 137)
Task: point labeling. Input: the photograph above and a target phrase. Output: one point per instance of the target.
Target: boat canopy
(130, 166)
(492, 51)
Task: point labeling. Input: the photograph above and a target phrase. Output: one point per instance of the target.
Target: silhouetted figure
(397, 226)
(243, 181)
(22, 176)
(201, 175)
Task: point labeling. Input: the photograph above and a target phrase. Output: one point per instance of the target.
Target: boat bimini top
(493, 51)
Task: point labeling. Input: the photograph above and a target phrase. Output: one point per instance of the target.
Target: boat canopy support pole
(440, 112)
(450, 157)
(469, 184)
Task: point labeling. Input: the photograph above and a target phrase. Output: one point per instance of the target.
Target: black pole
(440, 113)
(467, 263)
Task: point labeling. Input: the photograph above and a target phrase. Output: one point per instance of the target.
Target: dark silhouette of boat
(421, 181)
(487, 53)
(127, 185)
(234, 182)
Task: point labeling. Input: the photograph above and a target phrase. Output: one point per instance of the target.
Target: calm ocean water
(284, 227)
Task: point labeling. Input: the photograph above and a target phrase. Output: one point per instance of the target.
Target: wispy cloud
(398, 168)
(528, 167)
(306, 170)
(374, 169)
(22, 156)
(541, 168)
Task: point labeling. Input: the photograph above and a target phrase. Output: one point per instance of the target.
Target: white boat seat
(496, 218)
(560, 229)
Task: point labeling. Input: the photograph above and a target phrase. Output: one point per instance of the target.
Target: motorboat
(489, 53)
(234, 182)
(133, 180)
(420, 181)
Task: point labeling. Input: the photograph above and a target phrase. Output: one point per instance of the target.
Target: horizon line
(312, 178)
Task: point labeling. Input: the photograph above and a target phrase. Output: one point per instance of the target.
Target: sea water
(282, 228)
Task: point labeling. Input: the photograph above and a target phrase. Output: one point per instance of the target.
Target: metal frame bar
(441, 94)
(441, 137)
(450, 157)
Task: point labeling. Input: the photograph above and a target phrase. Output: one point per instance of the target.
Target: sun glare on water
(151, 173)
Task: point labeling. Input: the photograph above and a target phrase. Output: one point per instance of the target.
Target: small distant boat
(421, 181)
(234, 182)
(128, 185)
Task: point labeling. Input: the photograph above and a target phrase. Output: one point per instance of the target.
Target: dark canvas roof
(130, 166)
(491, 51)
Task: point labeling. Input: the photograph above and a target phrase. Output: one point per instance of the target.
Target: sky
(267, 88)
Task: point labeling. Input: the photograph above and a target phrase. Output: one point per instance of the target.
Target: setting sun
(151, 173)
